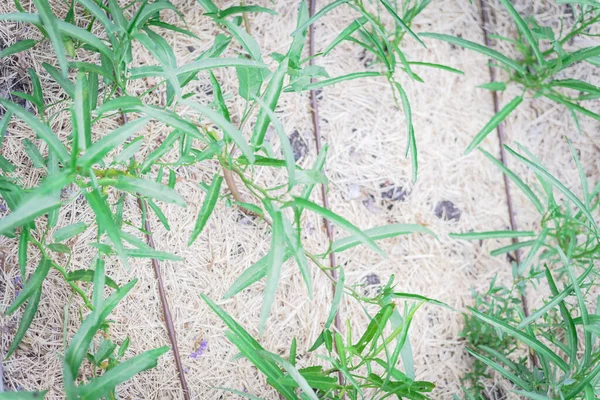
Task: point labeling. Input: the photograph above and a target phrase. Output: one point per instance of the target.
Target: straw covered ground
(370, 184)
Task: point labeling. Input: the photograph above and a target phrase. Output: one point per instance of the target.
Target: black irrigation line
(500, 131)
(324, 198)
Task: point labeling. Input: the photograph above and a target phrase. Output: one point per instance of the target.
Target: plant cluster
(94, 71)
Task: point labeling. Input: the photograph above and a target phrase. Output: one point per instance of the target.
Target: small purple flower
(17, 281)
(201, 350)
(3, 207)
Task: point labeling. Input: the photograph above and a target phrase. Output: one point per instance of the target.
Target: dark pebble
(299, 146)
(447, 210)
(394, 193)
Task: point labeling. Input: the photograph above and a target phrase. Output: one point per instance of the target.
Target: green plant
(101, 168)
(561, 335)
(542, 61)
(356, 369)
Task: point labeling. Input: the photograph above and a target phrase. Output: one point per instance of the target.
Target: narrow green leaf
(270, 98)
(522, 25)
(87, 275)
(292, 371)
(34, 154)
(275, 261)
(400, 22)
(501, 370)
(64, 83)
(43, 131)
(245, 9)
(556, 183)
(226, 126)
(380, 232)
(207, 207)
(23, 395)
(338, 79)
(211, 63)
(100, 148)
(147, 187)
(302, 28)
(18, 47)
(51, 25)
(161, 216)
(286, 146)
(218, 97)
(337, 299)
(23, 243)
(530, 341)
(122, 372)
(325, 213)
(517, 181)
(349, 30)
(294, 245)
(491, 235)
(38, 202)
(26, 319)
(104, 218)
(494, 122)
(33, 285)
(437, 66)
(478, 48)
(81, 113)
(69, 231)
(412, 141)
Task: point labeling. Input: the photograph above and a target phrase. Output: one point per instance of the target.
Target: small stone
(394, 193)
(447, 210)
(191, 49)
(372, 279)
(370, 203)
(299, 146)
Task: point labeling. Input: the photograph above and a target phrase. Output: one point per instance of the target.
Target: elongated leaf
(569, 324)
(400, 22)
(438, 66)
(338, 79)
(218, 97)
(582, 176)
(349, 30)
(301, 29)
(252, 274)
(33, 285)
(412, 140)
(26, 320)
(286, 146)
(210, 63)
(146, 187)
(556, 183)
(274, 263)
(226, 126)
(121, 373)
(500, 369)
(149, 252)
(294, 245)
(207, 207)
(248, 42)
(248, 346)
(104, 218)
(161, 216)
(295, 51)
(270, 98)
(87, 275)
(491, 235)
(34, 154)
(337, 299)
(99, 149)
(64, 83)
(81, 112)
(325, 213)
(494, 122)
(577, 85)
(380, 232)
(522, 25)
(245, 9)
(37, 203)
(69, 231)
(478, 48)
(51, 25)
(18, 47)
(100, 15)
(292, 371)
(517, 181)
(573, 106)
(529, 340)
(43, 131)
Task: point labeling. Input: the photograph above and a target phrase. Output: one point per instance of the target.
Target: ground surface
(369, 185)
